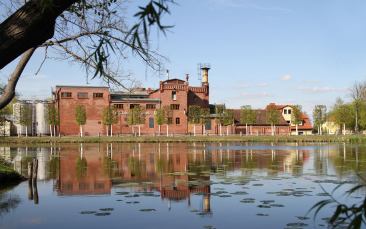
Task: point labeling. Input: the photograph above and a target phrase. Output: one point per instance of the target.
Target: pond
(178, 185)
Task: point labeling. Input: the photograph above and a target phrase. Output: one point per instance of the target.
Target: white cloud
(255, 95)
(246, 85)
(325, 89)
(286, 77)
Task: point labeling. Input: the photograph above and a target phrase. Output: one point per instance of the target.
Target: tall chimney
(204, 70)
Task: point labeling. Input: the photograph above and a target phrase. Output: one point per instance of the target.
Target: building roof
(261, 117)
(174, 81)
(306, 123)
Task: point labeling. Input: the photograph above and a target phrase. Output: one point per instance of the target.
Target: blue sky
(303, 52)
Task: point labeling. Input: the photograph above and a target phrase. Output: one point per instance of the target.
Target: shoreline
(9, 177)
(185, 138)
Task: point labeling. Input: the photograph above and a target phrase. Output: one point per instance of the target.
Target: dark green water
(229, 185)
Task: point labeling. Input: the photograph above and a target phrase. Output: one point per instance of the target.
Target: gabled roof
(306, 123)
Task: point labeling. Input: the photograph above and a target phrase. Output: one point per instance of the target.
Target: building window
(150, 106)
(174, 106)
(288, 122)
(170, 120)
(134, 105)
(208, 125)
(97, 95)
(82, 95)
(285, 111)
(118, 106)
(66, 94)
(177, 121)
(174, 95)
(289, 111)
(151, 122)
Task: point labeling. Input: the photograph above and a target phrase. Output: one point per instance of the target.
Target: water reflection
(86, 169)
(200, 175)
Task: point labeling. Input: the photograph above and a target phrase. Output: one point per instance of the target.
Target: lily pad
(147, 210)
(262, 214)
(106, 209)
(87, 212)
(102, 213)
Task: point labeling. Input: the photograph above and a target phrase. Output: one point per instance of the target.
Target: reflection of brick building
(175, 94)
(82, 172)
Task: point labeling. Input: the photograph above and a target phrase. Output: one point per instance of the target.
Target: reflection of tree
(8, 202)
(136, 167)
(81, 167)
(54, 167)
(110, 167)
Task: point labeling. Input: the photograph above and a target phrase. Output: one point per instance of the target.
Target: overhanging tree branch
(9, 91)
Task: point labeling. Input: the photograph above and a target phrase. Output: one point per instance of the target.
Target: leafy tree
(6, 111)
(89, 32)
(110, 117)
(52, 117)
(273, 116)
(25, 116)
(358, 94)
(160, 118)
(194, 116)
(136, 116)
(224, 116)
(168, 118)
(247, 116)
(296, 117)
(343, 115)
(80, 117)
(319, 117)
(205, 116)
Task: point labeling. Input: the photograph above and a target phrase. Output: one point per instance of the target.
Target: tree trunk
(204, 129)
(159, 130)
(272, 130)
(220, 133)
(344, 128)
(54, 130)
(139, 130)
(246, 129)
(51, 131)
(81, 131)
(227, 130)
(28, 27)
(26, 131)
(356, 120)
(167, 130)
(194, 130)
(111, 130)
(297, 129)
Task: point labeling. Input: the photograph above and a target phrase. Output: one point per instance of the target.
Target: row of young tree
(248, 116)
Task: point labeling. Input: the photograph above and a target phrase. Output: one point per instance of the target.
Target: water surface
(180, 185)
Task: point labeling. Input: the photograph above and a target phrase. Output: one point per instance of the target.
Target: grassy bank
(8, 176)
(152, 139)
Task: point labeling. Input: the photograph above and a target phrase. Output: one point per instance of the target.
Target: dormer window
(174, 95)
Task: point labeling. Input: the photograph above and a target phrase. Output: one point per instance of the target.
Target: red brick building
(175, 94)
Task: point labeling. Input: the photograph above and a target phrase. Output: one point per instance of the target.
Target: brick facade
(176, 94)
